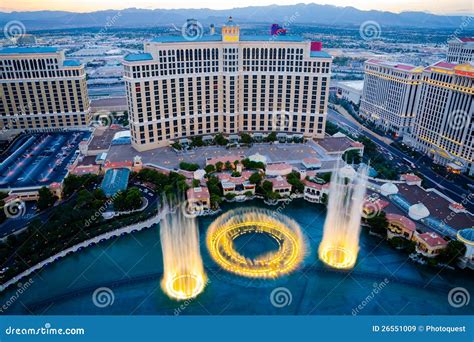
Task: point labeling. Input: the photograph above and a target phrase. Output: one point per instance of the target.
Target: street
(434, 180)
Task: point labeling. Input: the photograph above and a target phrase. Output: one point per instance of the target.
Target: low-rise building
(350, 91)
(313, 192)
(429, 244)
(281, 186)
(238, 186)
(312, 163)
(278, 169)
(401, 226)
(199, 199)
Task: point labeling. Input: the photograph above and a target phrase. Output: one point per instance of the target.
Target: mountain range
(312, 14)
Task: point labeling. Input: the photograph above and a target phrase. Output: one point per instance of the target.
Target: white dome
(388, 189)
(347, 172)
(418, 211)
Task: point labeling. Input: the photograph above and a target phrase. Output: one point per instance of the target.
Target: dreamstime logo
(458, 119)
(15, 208)
(280, 121)
(103, 297)
(459, 297)
(370, 30)
(102, 118)
(192, 30)
(371, 209)
(377, 288)
(14, 29)
(281, 297)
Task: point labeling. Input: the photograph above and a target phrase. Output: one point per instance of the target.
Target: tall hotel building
(228, 83)
(389, 94)
(460, 50)
(41, 90)
(444, 124)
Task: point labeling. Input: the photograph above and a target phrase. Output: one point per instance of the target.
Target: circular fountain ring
(286, 232)
(176, 285)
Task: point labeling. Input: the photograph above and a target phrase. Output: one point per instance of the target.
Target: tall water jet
(183, 275)
(340, 244)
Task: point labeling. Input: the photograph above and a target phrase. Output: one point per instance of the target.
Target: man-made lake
(384, 281)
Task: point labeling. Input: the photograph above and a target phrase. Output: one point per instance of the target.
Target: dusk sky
(461, 7)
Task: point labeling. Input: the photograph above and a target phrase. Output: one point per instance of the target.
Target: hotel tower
(197, 84)
(41, 90)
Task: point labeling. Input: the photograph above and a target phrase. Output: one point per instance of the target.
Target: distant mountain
(297, 14)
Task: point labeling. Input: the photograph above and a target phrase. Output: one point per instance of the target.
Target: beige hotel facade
(41, 90)
(226, 83)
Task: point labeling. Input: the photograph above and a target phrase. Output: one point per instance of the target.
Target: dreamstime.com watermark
(100, 211)
(22, 287)
(184, 304)
(46, 330)
(378, 287)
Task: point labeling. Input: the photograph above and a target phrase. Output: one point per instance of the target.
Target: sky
(460, 7)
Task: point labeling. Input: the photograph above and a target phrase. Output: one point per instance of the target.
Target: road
(434, 180)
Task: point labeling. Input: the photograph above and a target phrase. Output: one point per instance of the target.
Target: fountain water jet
(184, 275)
(340, 244)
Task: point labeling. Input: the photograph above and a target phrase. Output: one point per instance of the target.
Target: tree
(255, 178)
(271, 137)
(228, 165)
(219, 139)
(215, 201)
(219, 166)
(352, 156)
(378, 224)
(324, 199)
(235, 174)
(196, 183)
(248, 193)
(197, 141)
(213, 186)
(246, 138)
(46, 198)
(230, 196)
(267, 186)
(296, 184)
(188, 166)
(210, 168)
(453, 251)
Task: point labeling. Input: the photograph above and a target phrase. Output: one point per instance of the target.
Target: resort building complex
(228, 83)
(41, 90)
(461, 50)
(444, 127)
(389, 94)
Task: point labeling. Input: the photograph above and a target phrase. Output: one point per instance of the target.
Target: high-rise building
(389, 94)
(197, 84)
(460, 50)
(42, 90)
(444, 124)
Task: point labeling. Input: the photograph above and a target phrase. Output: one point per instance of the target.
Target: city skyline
(444, 7)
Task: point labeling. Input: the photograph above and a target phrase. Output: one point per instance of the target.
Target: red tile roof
(279, 183)
(433, 239)
(198, 193)
(405, 221)
(466, 39)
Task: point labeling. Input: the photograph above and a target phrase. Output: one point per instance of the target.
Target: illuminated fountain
(340, 244)
(184, 275)
(229, 226)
